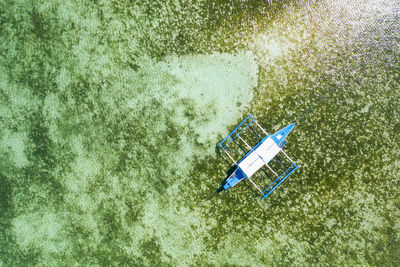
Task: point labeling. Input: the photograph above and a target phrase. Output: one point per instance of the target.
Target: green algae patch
(111, 111)
(219, 86)
(41, 230)
(13, 145)
(116, 167)
(197, 91)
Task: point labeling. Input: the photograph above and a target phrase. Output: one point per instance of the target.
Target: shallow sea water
(111, 112)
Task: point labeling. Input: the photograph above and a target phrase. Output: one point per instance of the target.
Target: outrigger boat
(264, 155)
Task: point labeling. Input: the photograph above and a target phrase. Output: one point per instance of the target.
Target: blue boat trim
(280, 135)
(258, 156)
(281, 145)
(236, 177)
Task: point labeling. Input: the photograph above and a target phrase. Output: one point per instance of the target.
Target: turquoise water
(111, 112)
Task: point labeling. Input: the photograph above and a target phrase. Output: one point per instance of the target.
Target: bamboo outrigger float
(263, 154)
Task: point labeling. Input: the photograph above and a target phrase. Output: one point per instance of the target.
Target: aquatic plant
(111, 111)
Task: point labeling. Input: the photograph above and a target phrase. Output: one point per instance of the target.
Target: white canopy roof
(266, 151)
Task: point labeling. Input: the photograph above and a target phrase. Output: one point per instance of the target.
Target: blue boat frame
(280, 178)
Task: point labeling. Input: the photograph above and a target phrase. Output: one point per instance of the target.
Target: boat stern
(237, 176)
